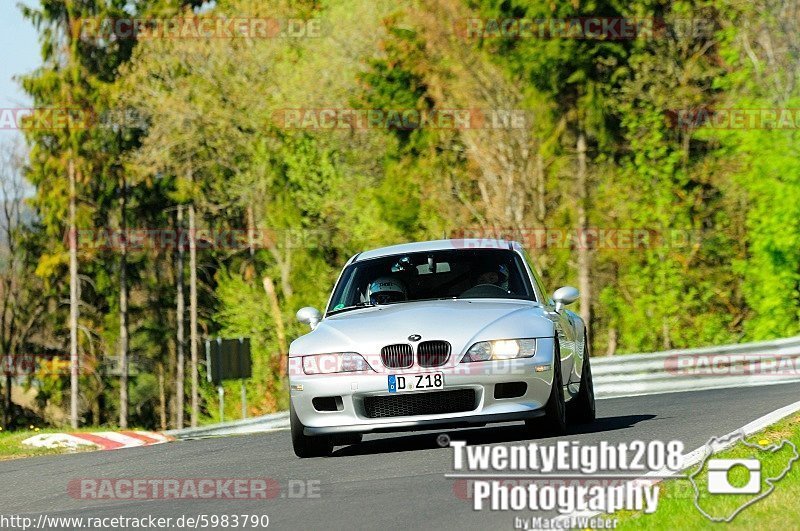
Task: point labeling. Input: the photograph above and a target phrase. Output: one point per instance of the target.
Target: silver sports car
(445, 333)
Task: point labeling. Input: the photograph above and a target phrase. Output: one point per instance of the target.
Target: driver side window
(545, 296)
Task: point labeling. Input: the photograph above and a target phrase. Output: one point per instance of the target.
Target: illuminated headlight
(502, 349)
(333, 363)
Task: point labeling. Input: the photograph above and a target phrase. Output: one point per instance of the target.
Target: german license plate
(415, 382)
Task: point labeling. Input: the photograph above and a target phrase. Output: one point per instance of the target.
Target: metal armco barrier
(740, 365)
(274, 421)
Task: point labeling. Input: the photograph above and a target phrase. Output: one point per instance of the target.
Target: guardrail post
(221, 392)
(244, 400)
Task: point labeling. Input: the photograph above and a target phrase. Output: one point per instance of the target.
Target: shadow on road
(500, 433)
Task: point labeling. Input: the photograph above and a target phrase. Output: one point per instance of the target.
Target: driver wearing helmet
(496, 277)
(386, 290)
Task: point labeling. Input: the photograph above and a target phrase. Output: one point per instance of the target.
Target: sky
(20, 55)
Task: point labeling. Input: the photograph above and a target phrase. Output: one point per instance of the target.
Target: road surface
(390, 481)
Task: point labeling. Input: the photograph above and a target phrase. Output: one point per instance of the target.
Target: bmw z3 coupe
(447, 333)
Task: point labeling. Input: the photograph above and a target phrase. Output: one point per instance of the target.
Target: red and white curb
(105, 440)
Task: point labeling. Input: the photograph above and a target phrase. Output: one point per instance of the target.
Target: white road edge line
(697, 455)
(697, 389)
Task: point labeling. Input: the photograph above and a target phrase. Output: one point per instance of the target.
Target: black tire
(555, 418)
(581, 408)
(307, 445)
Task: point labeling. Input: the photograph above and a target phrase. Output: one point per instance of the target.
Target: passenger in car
(496, 277)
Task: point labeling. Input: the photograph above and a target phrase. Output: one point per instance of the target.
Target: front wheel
(307, 445)
(582, 407)
(555, 418)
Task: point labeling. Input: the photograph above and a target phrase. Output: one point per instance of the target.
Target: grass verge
(777, 510)
(11, 446)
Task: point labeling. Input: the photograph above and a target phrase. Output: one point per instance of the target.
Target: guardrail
(274, 421)
(741, 365)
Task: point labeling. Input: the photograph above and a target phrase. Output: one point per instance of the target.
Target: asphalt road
(389, 481)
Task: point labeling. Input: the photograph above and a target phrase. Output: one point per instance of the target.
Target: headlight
(502, 349)
(337, 362)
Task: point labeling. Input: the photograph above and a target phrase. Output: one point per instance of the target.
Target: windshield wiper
(366, 304)
(419, 300)
(363, 304)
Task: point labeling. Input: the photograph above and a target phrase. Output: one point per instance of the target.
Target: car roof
(438, 245)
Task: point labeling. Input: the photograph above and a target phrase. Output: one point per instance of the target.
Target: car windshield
(449, 274)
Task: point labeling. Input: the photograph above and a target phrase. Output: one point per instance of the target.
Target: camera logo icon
(719, 471)
(745, 480)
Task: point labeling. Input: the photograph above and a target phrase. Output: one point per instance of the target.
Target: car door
(565, 332)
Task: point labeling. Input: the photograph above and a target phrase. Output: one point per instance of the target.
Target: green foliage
(770, 178)
(721, 209)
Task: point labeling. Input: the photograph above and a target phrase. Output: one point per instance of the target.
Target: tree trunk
(612, 341)
(666, 340)
(541, 211)
(7, 400)
(251, 231)
(193, 313)
(123, 309)
(275, 308)
(73, 299)
(180, 363)
(584, 253)
(96, 411)
(169, 382)
(162, 396)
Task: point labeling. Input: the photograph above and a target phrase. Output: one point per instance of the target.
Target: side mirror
(309, 315)
(564, 296)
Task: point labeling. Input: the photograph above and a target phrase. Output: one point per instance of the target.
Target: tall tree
(580, 74)
(180, 319)
(61, 52)
(78, 68)
(193, 332)
(123, 304)
(22, 299)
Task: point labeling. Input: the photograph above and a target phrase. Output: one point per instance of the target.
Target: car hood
(462, 322)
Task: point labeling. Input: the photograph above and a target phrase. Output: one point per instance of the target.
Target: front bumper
(481, 377)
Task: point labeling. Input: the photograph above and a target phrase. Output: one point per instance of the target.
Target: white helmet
(385, 290)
